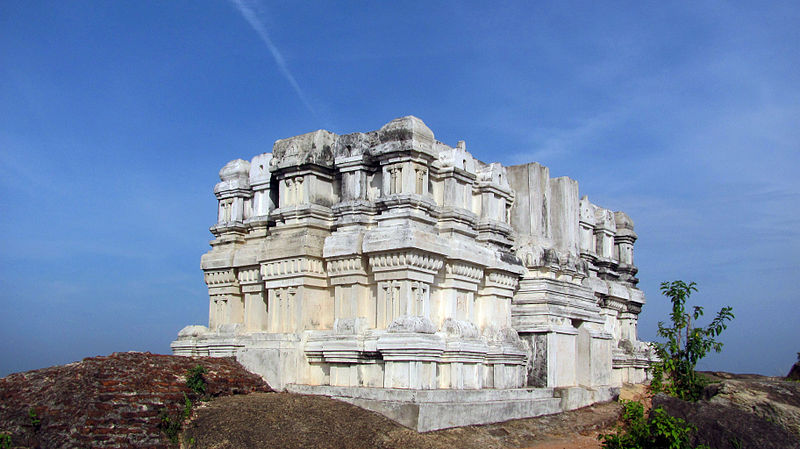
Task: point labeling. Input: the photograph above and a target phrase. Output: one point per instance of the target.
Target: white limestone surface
(388, 261)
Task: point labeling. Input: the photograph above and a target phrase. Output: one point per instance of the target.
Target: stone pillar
(353, 291)
(531, 212)
(403, 280)
(593, 355)
(233, 194)
(388, 303)
(604, 230)
(256, 318)
(399, 297)
(225, 298)
(624, 238)
(292, 191)
(355, 210)
(588, 244)
(392, 179)
(601, 358)
(456, 293)
(561, 357)
(564, 215)
(354, 178)
(496, 199)
(263, 202)
(299, 298)
(494, 296)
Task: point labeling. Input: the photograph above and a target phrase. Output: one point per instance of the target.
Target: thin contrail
(258, 27)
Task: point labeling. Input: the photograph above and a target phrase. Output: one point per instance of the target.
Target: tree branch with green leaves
(686, 344)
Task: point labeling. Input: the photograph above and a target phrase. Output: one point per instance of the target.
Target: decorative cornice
(215, 278)
(249, 275)
(292, 267)
(406, 259)
(501, 279)
(463, 270)
(347, 265)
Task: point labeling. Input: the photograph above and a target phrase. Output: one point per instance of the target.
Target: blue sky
(115, 118)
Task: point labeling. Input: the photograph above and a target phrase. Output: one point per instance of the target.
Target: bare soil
(284, 420)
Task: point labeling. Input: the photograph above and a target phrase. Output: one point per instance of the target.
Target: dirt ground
(739, 411)
(282, 420)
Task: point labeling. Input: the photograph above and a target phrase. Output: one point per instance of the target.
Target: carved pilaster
(225, 298)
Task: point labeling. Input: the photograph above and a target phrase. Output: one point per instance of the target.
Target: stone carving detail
(346, 265)
(388, 259)
(293, 266)
(503, 279)
(406, 259)
(249, 275)
(219, 277)
(464, 270)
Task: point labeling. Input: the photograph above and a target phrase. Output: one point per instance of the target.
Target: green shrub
(660, 431)
(5, 441)
(195, 380)
(171, 424)
(675, 374)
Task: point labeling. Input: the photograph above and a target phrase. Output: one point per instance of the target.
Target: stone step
(412, 395)
(427, 410)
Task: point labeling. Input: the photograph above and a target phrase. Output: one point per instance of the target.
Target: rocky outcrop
(750, 411)
(112, 401)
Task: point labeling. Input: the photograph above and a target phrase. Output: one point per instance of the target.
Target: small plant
(660, 431)
(187, 407)
(171, 424)
(195, 380)
(36, 422)
(675, 374)
(5, 440)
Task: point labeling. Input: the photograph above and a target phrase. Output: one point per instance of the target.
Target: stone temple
(395, 272)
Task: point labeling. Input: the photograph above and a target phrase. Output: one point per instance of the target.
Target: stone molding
(410, 259)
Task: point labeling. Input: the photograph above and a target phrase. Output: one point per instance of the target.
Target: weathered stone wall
(113, 401)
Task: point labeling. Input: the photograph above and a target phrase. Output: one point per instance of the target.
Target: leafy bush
(660, 431)
(195, 380)
(675, 374)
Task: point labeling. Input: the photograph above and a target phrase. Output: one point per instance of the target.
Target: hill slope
(285, 420)
(111, 401)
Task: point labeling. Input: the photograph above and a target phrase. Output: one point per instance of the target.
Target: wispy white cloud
(552, 143)
(248, 11)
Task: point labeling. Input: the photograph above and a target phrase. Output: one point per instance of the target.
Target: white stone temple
(403, 275)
